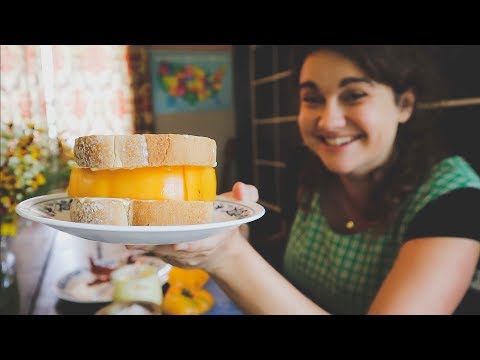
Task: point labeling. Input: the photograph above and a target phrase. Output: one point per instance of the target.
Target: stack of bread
(142, 180)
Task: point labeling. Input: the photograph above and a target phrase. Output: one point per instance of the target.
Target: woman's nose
(331, 116)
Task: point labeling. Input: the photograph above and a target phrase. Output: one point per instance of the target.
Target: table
(45, 254)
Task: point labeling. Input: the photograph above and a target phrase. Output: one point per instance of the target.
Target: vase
(9, 295)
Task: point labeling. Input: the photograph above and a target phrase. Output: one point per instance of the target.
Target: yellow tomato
(180, 300)
(189, 278)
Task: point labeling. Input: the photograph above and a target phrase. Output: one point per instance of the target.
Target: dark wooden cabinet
(273, 127)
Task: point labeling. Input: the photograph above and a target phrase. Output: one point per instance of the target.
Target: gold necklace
(349, 225)
(352, 225)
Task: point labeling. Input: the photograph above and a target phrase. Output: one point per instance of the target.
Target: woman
(362, 238)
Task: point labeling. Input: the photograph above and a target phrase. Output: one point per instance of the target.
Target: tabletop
(44, 255)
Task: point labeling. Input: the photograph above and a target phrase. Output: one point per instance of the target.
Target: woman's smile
(336, 143)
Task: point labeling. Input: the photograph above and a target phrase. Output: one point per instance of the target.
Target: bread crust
(103, 211)
(111, 211)
(132, 151)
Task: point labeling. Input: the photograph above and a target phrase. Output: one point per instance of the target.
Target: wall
(218, 125)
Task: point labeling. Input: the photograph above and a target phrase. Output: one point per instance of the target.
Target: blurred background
(243, 96)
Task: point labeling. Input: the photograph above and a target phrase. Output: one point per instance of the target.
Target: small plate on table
(79, 285)
(74, 287)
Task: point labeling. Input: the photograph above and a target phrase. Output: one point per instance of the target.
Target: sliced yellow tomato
(148, 183)
(200, 183)
(180, 300)
(190, 278)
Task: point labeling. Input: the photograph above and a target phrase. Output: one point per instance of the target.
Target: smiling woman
(364, 232)
(368, 169)
(361, 117)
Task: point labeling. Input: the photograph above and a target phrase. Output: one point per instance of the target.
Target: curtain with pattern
(91, 89)
(22, 94)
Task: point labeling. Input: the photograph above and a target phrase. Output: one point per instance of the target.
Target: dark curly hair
(418, 145)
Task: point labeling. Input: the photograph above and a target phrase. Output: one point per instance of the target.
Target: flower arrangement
(29, 166)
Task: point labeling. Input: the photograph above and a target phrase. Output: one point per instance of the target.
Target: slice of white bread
(114, 211)
(133, 151)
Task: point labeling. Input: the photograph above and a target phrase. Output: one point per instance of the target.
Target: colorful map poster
(186, 81)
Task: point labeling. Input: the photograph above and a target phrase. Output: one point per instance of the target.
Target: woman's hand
(241, 191)
(211, 253)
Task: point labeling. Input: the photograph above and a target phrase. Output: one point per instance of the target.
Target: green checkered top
(343, 272)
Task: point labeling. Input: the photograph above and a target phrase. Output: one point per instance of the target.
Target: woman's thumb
(245, 192)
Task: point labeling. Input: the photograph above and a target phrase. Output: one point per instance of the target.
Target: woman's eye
(353, 96)
(311, 99)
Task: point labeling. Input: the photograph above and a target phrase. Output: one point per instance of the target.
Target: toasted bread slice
(115, 211)
(133, 151)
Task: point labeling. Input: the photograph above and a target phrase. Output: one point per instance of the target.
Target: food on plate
(137, 290)
(95, 285)
(102, 270)
(83, 288)
(129, 309)
(180, 300)
(185, 294)
(139, 287)
(151, 179)
(190, 278)
(137, 283)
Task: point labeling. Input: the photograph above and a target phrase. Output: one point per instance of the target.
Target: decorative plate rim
(24, 209)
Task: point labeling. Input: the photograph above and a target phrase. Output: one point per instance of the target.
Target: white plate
(74, 285)
(54, 210)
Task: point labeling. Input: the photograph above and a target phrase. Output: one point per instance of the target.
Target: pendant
(350, 225)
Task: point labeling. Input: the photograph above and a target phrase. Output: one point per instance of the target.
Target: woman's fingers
(200, 253)
(241, 191)
(205, 245)
(195, 246)
(245, 192)
(146, 248)
(177, 257)
(180, 249)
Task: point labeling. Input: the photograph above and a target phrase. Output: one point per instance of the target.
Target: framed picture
(186, 81)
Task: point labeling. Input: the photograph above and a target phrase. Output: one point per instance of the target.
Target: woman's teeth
(338, 141)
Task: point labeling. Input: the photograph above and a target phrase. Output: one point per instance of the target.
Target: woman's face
(346, 118)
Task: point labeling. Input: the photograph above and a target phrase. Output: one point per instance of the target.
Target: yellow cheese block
(148, 183)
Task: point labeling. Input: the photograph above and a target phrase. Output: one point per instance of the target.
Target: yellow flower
(9, 228)
(5, 200)
(35, 153)
(40, 179)
(26, 164)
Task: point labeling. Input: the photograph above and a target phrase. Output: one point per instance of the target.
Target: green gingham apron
(343, 272)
